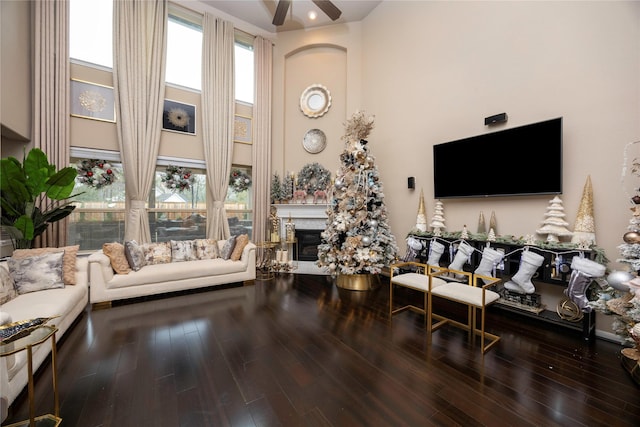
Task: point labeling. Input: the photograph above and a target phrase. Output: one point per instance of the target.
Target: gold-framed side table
(36, 337)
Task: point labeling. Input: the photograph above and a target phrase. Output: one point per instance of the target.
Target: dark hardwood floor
(297, 351)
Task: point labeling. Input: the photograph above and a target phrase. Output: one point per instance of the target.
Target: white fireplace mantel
(305, 216)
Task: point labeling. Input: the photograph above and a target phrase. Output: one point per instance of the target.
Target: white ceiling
(260, 12)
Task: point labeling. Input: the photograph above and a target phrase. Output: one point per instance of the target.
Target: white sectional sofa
(107, 286)
(67, 303)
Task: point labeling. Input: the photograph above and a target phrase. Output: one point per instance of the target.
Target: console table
(36, 337)
(555, 270)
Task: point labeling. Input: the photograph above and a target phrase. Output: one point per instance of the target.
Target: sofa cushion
(37, 273)
(227, 248)
(135, 255)
(7, 287)
(176, 271)
(183, 250)
(207, 249)
(68, 260)
(156, 253)
(115, 252)
(241, 241)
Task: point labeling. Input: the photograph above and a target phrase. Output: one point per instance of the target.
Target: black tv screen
(525, 160)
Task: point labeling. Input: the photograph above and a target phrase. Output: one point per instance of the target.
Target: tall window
(90, 40)
(178, 211)
(244, 71)
(184, 53)
(90, 31)
(99, 214)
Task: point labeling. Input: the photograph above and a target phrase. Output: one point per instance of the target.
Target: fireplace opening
(308, 241)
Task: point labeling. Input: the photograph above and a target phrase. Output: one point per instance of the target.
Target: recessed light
(312, 15)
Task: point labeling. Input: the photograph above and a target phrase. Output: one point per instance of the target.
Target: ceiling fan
(326, 6)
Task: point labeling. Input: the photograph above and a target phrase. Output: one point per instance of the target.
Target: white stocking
(435, 252)
(490, 258)
(521, 281)
(462, 256)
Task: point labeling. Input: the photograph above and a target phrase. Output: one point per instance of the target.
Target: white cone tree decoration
(465, 232)
(584, 230)
(421, 219)
(437, 221)
(554, 225)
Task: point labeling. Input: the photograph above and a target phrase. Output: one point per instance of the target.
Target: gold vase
(358, 282)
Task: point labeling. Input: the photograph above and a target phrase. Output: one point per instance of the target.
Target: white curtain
(139, 29)
(263, 58)
(218, 103)
(51, 95)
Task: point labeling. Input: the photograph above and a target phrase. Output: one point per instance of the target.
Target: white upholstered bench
(474, 296)
(419, 280)
(437, 281)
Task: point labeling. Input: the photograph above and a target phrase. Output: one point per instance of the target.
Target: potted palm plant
(23, 188)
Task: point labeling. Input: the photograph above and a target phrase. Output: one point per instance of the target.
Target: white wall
(433, 70)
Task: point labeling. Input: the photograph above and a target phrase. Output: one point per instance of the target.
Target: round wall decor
(314, 141)
(315, 101)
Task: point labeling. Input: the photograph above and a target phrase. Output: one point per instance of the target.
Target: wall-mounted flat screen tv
(525, 160)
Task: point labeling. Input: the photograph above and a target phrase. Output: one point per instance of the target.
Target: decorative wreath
(312, 177)
(177, 178)
(95, 173)
(239, 180)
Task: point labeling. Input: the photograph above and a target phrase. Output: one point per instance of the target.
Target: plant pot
(358, 282)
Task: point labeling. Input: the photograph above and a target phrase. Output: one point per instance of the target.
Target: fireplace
(308, 241)
(310, 220)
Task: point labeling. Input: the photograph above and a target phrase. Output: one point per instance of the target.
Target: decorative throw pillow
(37, 273)
(7, 286)
(227, 248)
(207, 249)
(157, 253)
(183, 250)
(134, 254)
(241, 241)
(115, 252)
(68, 260)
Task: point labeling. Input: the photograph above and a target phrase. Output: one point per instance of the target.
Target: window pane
(184, 53)
(174, 214)
(90, 31)
(238, 203)
(244, 79)
(99, 214)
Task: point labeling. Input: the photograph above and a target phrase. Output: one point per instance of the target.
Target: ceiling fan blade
(281, 12)
(329, 8)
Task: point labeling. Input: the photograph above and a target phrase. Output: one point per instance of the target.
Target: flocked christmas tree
(287, 187)
(357, 239)
(276, 188)
(621, 297)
